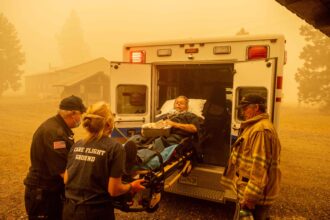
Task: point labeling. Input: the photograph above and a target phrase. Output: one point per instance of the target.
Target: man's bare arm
(186, 127)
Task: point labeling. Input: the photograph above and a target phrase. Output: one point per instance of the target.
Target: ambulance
(214, 74)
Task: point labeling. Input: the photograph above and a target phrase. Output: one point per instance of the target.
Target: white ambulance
(214, 74)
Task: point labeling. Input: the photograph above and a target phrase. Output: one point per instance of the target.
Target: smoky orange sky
(108, 24)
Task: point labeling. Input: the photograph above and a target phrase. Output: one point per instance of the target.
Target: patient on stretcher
(151, 159)
(181, 124)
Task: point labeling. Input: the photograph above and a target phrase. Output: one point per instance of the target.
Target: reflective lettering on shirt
(95, 151)
(78, 149)
(85, 158)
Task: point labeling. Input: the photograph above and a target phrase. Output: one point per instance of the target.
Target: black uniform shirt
(49, 149)
(185, 118)
(89, 167)
(178, 134)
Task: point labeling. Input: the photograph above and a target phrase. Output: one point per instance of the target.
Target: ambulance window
(131, 99)
(243, 91)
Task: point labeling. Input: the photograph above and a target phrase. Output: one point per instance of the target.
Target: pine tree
(314, 77)
(11, 57)
(72, 46)
(242, 31)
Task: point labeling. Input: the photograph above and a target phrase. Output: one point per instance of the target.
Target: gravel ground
(305, 138)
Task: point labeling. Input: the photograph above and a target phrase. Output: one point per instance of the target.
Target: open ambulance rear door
(130, 89)
(257, 77)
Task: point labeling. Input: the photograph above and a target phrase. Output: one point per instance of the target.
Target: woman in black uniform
(94, 169)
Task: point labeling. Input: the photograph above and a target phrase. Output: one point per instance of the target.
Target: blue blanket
(154, 162)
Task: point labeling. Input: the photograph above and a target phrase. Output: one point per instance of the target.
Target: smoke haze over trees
(11, 56)
(314, 77)
(242, 31)
(72, 46)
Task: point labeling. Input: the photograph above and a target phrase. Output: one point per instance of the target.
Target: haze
(108, 24)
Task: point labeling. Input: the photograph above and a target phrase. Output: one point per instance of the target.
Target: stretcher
(175, 160)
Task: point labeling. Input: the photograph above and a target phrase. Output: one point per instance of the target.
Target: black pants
(74, 211)
(43, 204)
(261, 212)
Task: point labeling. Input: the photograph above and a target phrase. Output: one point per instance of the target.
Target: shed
(88, 80)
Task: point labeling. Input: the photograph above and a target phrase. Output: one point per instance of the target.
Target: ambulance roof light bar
(164, 52)
(257, 52)
(138, 56)
(221, 50)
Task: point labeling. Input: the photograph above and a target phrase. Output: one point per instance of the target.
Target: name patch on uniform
(88, 158)
(59, 144)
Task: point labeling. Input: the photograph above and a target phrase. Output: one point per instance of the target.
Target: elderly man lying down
(181, 123)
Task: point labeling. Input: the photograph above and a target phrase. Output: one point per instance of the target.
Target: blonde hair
(98, 121)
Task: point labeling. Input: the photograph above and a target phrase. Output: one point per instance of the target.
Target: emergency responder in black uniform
(44, 188)
(94, 169)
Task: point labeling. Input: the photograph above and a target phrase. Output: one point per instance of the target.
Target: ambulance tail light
(138, 56)
(257, 52)
(279, 82)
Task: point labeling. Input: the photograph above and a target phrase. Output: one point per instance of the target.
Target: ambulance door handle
(236, 127)
(130, 120)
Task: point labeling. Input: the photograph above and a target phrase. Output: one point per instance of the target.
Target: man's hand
(137, 186)
(186, 127)
(247, 204)
(169, 122)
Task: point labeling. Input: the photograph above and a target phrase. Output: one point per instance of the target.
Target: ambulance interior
(212, 83)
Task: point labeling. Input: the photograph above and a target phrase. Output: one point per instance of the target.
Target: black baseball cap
(72, 103)
(251, 99)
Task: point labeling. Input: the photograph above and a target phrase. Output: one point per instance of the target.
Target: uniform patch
(59, 144)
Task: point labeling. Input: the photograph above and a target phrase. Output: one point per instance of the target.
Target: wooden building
(88, 80)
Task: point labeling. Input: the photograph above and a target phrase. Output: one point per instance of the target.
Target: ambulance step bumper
(197, 192)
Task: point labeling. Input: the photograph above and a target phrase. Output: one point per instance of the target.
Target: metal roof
(314, 12)
(75, 78)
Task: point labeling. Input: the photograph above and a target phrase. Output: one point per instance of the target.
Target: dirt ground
(304, 134)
